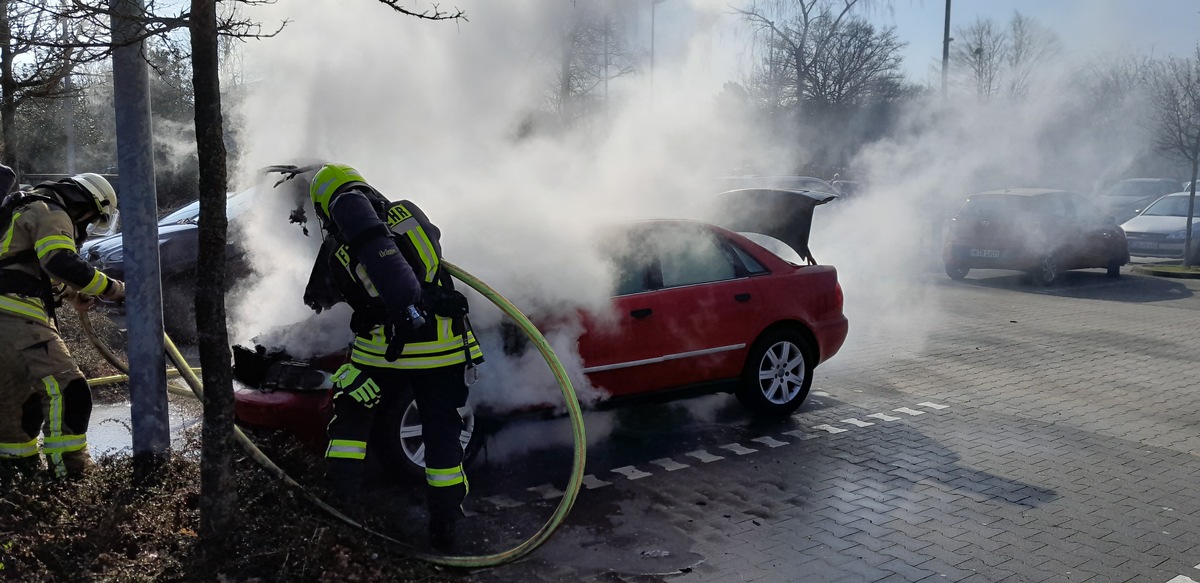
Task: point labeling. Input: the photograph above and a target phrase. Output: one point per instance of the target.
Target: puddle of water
(110, 428)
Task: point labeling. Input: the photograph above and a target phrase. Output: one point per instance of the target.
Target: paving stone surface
(1018, 434)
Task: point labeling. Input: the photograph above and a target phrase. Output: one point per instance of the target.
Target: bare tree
(979, 56)
(800, 32)
(591, 51)
(1175, 95)
(33, 65)
(1030, 46)
(860, 64)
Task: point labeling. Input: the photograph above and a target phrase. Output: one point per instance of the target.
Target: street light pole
(946, 48)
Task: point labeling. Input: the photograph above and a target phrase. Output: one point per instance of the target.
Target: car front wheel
(401, 444)
(777, 374)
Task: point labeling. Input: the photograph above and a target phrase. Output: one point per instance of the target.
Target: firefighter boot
(441, 533)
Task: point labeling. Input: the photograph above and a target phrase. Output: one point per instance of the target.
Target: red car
(1039, 231)
(699, 308)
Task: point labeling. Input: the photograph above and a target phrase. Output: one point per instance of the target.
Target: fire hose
(574, 481)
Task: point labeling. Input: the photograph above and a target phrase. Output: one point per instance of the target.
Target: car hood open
(782, 214)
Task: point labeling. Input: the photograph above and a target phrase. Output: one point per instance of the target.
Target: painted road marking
(820, 394)
(769, 441)
(547, 491)
(883, 417)
(933, 405)
(857, 423)
(1182, 579)
(592, 482)
(502, 501)
(669, 464)
(704, 456)
(631, 472)
(829, 428)
(800, 434)
(735, 448)
(908, 411)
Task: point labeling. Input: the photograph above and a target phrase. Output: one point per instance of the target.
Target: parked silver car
(1160, 229)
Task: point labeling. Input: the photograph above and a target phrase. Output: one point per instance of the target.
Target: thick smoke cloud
(438, 113)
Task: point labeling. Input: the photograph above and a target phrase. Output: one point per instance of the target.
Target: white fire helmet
(106, 202)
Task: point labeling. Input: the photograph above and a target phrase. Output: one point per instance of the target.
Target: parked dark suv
(1040, 231)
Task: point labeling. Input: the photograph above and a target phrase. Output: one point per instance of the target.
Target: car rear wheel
(957, 272)
(1047, 270)
(778, 373)
(1114, 267)
(401, 444)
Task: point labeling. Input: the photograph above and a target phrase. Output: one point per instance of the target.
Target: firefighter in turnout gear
(41, 387)
(383, 258)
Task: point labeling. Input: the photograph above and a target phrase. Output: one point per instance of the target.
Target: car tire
(777, 374)
(957, 272)
(1114, 268)
(1047, 270)
(399, 442)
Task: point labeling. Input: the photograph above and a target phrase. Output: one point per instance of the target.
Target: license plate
(985, 253)
(1143, 244)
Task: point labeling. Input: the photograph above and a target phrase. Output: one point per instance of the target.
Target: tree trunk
(8, 100)
(218, 484)
(1187, 234)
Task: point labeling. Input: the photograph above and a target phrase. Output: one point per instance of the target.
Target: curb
(1165, 272)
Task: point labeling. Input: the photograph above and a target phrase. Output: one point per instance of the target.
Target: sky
(1156, 27)
(1085, 27)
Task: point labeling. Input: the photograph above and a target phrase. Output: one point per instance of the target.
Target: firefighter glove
(115, 291)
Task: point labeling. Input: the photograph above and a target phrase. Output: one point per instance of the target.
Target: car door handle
(741, 298)
(641, 313)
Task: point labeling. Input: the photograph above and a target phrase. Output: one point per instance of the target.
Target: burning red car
(698, 308)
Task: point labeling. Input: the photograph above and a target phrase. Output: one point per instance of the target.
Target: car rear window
(991, 206)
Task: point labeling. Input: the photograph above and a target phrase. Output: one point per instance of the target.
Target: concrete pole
(68, 104)
(139, 214)
(946, 48)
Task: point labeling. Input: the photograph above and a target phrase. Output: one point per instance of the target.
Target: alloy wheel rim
(781, 373)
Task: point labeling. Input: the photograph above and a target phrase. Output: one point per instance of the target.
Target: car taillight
(839, 300)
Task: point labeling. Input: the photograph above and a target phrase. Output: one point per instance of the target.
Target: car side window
(753, 267)
(693, 257)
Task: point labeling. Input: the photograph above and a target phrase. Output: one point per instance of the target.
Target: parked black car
(178, 248)
(1040, 231)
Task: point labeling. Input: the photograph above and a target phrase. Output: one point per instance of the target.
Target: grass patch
(1170, 270)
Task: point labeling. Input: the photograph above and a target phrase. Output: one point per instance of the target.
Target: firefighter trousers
(359, 394)
(41, 390)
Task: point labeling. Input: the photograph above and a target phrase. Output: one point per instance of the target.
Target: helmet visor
(105, 225)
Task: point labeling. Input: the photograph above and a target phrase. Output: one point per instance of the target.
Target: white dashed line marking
(546, 491)
(908, 411)
(769, 441)
(669, 464)
(502, 501)
(1182, 579)
(820, 394)
(631, 472)
(592, 482)
(933, 405)
(704, 456)
(738, 449)
(830, 428)
(799, 434)
(857, 423)
(883, 417)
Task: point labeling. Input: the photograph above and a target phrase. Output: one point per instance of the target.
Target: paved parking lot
(1010, 434)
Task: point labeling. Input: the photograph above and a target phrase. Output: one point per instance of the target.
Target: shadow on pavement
(1086, 284)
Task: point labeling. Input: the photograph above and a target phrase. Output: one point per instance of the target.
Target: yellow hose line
(574, 482)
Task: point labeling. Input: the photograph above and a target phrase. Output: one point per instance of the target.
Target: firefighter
(41, 387)
(383, 258)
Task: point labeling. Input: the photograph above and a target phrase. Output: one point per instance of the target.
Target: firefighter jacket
(39, 251)
(384, 258)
